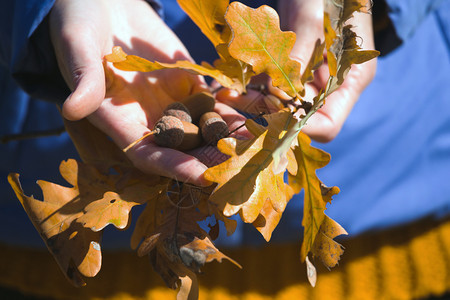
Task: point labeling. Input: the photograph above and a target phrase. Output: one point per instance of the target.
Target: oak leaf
(340, 40)
(258, 41)
(75, 248)
(70, 219)
(209, 17)
(310, 159)
(246, 181)
(125, 62)
(325, 247)
(176, 244)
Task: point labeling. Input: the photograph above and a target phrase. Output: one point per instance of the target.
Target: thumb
(88, 92)
(75, 38)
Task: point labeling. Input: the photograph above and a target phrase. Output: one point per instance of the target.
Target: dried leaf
(258, 41)
(94, 146)
(340, 40)
(328, 250)
(246, 181)
(177, 245)
(314, 63)
(76, 249)
(200, 251)
(68, 216)
(239, 71)
(209, 17)
(310, 159)
(311, 272)
(125, 62)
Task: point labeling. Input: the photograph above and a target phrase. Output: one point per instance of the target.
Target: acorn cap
(169, 132)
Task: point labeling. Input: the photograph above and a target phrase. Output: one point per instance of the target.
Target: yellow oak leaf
(258, 41)
(239, 71)
(269, 217)
(325, 247)
(94, 146)
(314, 63)
(246, 181)
(75, 248)
(209, 17)
(331, 44)
(125, 62)
(70, 219)
(310, 159)
(340, 40)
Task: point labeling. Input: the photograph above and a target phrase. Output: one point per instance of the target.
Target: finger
(146, 155)
(168, 162)
(305, 18)
(79, 56)
(253, 102)
(324, 125)
(234, 120)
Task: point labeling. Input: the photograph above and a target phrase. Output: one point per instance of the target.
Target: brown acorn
(178, 110)
(213, 127)
(198, 104)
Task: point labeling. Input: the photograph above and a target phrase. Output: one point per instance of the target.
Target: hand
(305, 18)
(124, 104)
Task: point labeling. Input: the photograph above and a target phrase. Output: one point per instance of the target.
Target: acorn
(171, 132)
(178, 110)
(198, 104)
(213, 127)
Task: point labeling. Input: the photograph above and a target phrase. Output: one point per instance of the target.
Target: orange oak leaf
(247, 182)
(94, 146)
(258, 41)
(172, 238)
(314, 63)
(76, 249)
(310, 159)
(125, 62)
(237, 70)
(325, 247)
(209, 17)
(70, 219)
(340, 40)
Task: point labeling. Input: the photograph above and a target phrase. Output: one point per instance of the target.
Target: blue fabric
(391, 160)
(19, 19)
(407, 15)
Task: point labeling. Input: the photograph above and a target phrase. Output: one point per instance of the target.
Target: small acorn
(213, 127)
(171, 132)
(198, 104)
(192, 137)
(178, 110)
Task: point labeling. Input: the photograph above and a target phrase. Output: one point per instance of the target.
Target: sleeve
(407, 15)
(26, 50)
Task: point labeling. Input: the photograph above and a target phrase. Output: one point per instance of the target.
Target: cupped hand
(125, 105)
(305, 18)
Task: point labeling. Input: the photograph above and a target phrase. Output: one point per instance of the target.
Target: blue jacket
(391, 159)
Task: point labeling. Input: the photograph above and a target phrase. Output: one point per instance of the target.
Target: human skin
(305, 18)
(126, 105)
